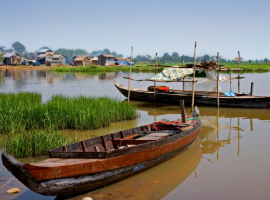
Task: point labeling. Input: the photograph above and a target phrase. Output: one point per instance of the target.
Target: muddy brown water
(230, 160)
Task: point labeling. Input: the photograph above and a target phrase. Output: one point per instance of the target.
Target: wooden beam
(129, 75)
(154, 80)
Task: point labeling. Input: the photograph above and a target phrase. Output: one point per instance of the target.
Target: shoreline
(137, 68)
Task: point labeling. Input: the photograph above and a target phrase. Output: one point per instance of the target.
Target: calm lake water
(229, 161)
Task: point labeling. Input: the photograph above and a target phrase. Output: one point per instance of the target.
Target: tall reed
(24, 111)
(34, 143)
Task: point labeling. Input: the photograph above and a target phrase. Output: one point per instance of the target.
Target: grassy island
(31, 125)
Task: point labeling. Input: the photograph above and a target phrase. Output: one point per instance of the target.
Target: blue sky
(149, 26)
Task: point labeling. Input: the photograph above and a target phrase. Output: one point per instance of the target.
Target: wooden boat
(98, 161)
(201, 98)
(155, 183)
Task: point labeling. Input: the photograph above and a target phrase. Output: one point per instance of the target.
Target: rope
(194, 118)
(7, 183)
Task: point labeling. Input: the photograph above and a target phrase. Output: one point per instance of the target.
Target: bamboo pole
(155, 74)
(239, 72)
(183, 64)
(193, 83)
(218, 79)
(129, 75)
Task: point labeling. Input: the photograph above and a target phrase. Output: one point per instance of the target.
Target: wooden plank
(157, 135)
(149, 138)
(133, 142)
(83, 146)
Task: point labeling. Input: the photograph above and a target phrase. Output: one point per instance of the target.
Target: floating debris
(13, 190)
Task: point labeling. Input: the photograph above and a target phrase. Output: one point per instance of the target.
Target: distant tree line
(19, 48)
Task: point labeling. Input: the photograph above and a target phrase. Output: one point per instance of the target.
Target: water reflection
(220, 165)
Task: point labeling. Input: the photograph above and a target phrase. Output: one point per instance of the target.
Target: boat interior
(120, 140)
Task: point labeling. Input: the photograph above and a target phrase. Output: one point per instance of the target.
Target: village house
(2, 53)
(94, 60)
(82, 60)
(12, 59)
(57, 60)
(44, 58)
(45, 51)
(104, 60)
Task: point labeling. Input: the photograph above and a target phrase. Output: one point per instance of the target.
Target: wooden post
(183, 64)
(218, 79)
(217, 132)
(155, 74)
(193, 83)
(182, 107)
(239, 72)
(129, 75)
(183, 61)
(251, 89)
(230, 80)
(251, 124)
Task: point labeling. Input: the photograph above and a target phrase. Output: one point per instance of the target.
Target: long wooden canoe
(98, 161)
(201, 98)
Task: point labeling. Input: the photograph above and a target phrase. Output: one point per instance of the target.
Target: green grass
(95, 68)
(34, 143)
(24, 111)
(249, 66)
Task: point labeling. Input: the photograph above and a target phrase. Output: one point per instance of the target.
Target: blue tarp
(124, 63)
(229, 94)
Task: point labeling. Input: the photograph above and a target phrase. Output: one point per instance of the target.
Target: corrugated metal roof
(58, 56)
(44, 50)
(43, 55)
(8, 55)
(95, 58)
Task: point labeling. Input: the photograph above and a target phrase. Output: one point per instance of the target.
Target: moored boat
(201, 98)
(98, 161)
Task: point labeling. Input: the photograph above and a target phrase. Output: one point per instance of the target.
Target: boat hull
(204, 100)
(68, 186)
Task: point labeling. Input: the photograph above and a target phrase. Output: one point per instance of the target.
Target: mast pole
(129, 74)
(183, 64)
(155, 74)
(218, 79)
(193, 83)
(239, 72)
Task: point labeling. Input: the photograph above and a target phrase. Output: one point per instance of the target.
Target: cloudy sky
(149, 26)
